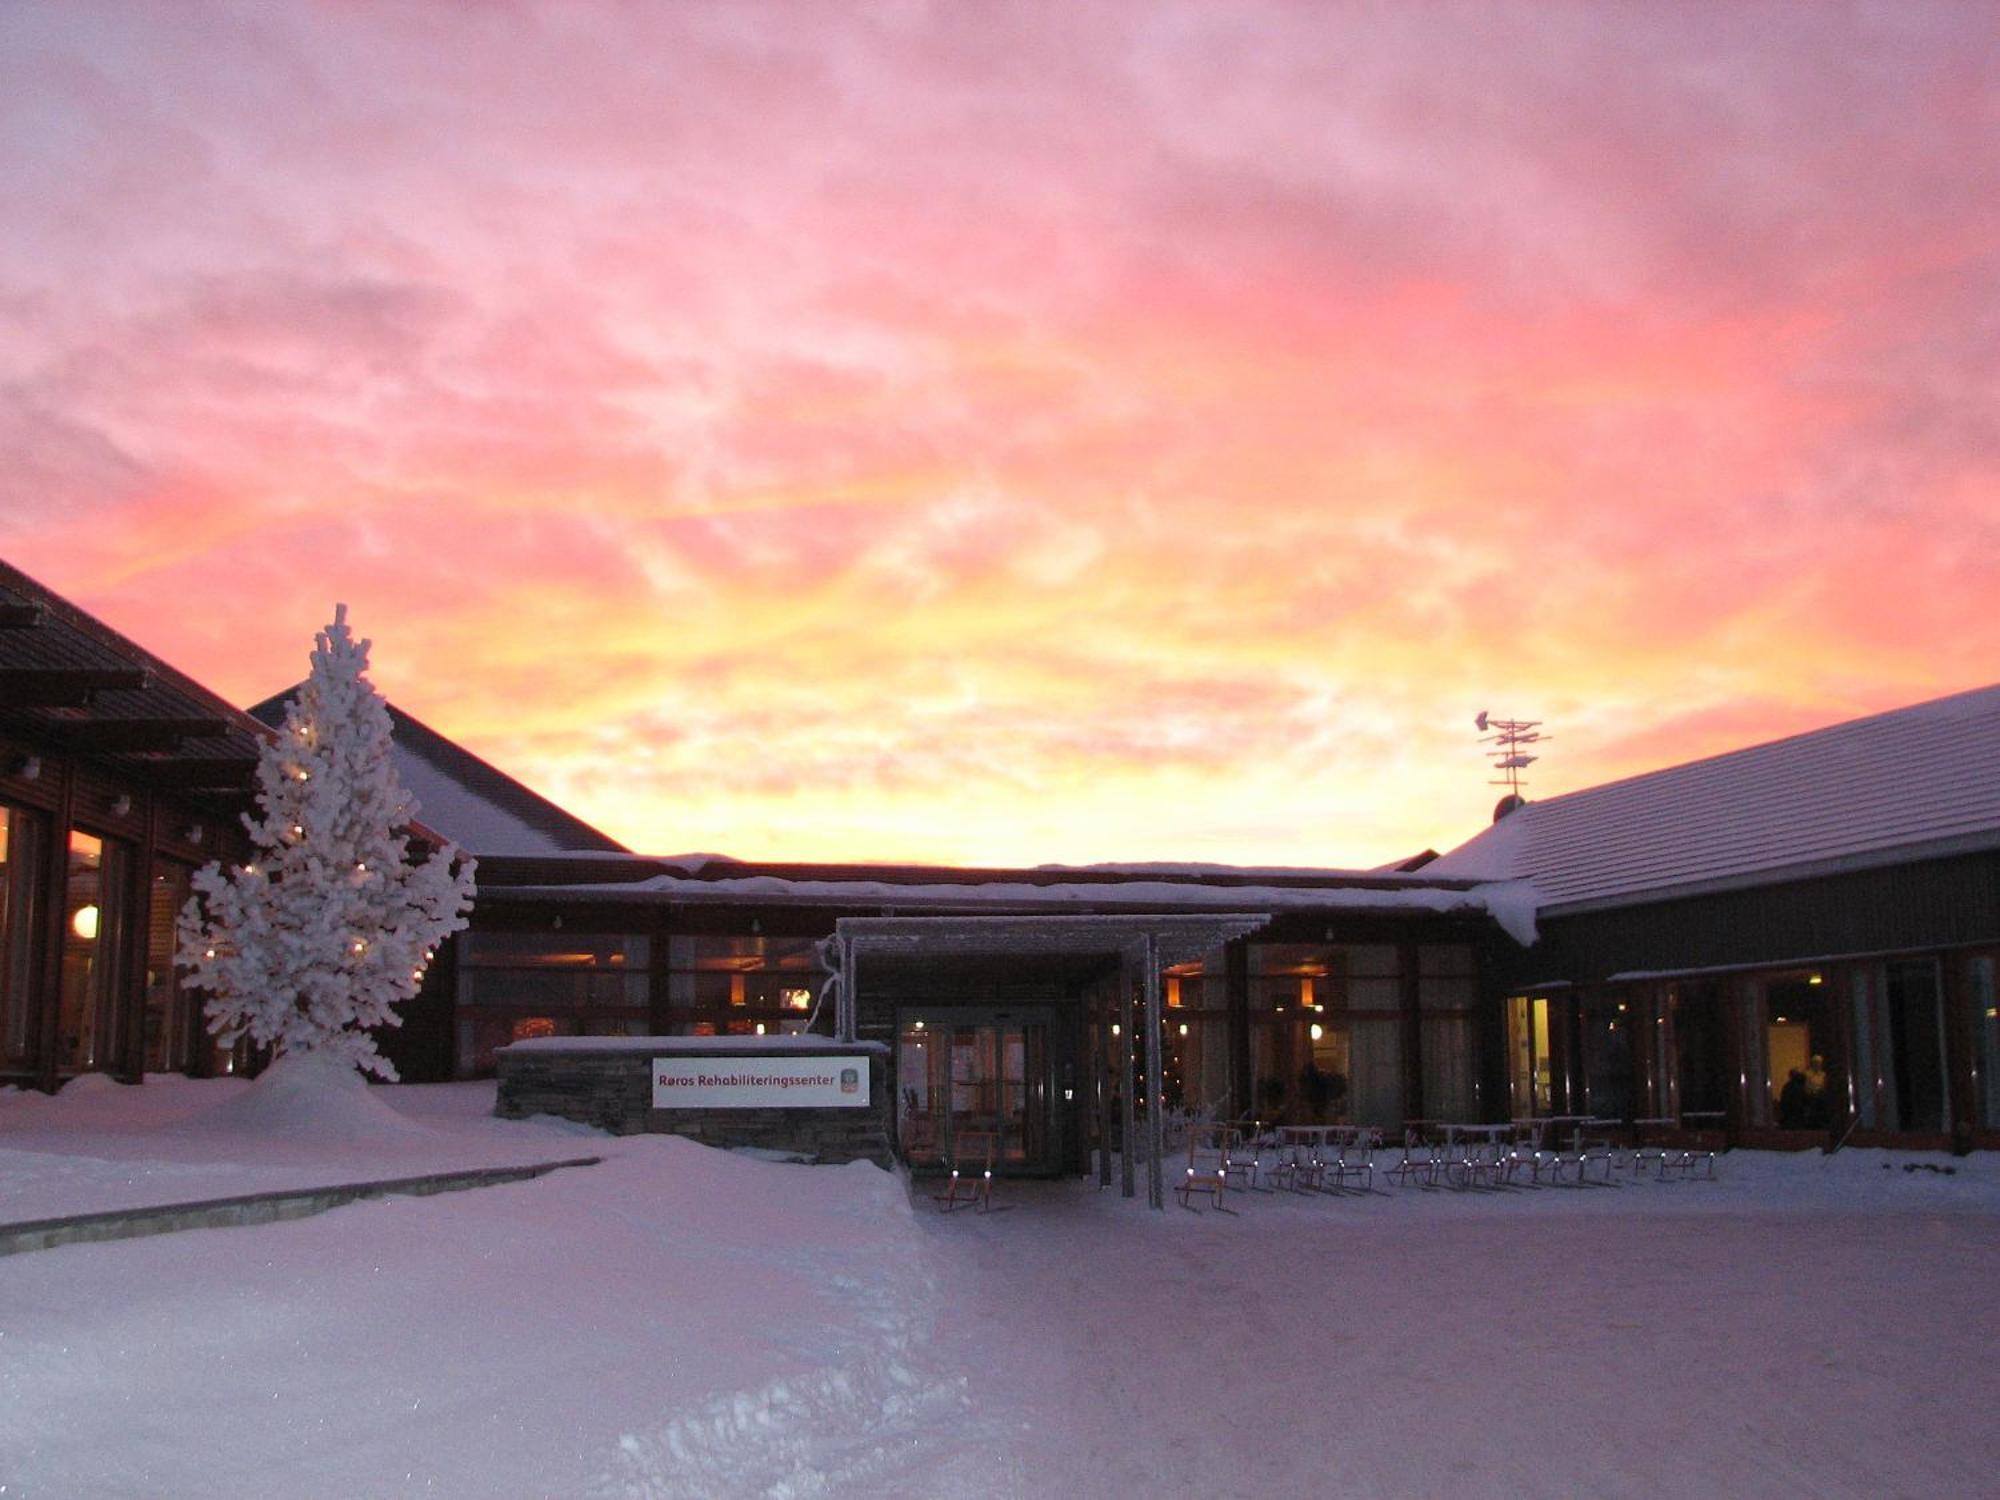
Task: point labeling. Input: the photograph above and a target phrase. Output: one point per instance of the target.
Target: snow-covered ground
(684, 1322)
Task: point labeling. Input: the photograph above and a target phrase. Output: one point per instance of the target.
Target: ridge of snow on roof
(1909, 783)
(1511, 904)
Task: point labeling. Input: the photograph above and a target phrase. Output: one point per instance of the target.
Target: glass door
(961, 1075)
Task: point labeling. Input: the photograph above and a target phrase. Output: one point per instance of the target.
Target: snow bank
(309, 1098)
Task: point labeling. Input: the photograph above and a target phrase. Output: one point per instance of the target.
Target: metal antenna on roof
(1509, 739)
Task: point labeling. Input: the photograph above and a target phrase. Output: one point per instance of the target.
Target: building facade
(1791, 945)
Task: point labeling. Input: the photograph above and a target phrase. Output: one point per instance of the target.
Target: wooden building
(1794, 944)
(1346, 996)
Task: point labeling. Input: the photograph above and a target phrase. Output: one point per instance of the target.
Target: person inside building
(1792, 1101)
(1818, 1107)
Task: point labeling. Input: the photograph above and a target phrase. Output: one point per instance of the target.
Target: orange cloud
(1010, 434)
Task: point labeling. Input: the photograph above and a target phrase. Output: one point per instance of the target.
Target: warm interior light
(1814, 979)
(84, 923)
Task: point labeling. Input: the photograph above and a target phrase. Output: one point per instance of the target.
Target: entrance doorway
(962, 1073)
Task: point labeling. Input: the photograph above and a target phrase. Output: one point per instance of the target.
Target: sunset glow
(1003, 433)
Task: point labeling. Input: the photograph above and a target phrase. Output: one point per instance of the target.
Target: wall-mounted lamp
(27, 767)
(194, 833)
(121, 806)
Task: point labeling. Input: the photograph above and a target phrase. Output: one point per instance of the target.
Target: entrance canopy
(1153, 940)
(1141, 945)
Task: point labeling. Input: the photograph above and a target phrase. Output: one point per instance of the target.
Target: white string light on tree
(312, 945)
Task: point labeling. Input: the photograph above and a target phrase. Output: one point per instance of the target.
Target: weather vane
(1509, 739)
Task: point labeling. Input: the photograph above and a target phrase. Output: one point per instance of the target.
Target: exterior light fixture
(1316, 1031)
(1815, 979)
(84, 923)
(121, 806)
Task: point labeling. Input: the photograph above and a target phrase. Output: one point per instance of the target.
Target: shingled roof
(1914, 783)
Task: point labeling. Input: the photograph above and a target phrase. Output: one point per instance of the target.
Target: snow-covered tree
(320, 936)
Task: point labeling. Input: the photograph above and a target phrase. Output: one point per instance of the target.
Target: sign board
(760, 1082)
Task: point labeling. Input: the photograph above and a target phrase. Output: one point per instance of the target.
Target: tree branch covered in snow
(317, 939)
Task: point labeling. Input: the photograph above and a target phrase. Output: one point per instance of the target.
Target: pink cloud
(942, 429)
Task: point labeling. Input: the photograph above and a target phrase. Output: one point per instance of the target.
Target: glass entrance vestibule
(976, 1084)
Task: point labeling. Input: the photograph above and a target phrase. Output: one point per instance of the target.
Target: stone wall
(611, 1088)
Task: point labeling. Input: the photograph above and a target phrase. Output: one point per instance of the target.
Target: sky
(1018, 433)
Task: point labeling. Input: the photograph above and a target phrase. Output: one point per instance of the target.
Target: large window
(742, 984)
(95, 911)
(1798, 1024)
(1897, 1021)
(1447, 991)
(1698, 1030)
(516, 985)
(1530, 1057)
(1983, 997)
(23, 837)
(1196, 1061)
(1605, 1060)
(172, 1023)
(1326, 1033)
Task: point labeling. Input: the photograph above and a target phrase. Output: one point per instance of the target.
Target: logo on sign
(850, 1080)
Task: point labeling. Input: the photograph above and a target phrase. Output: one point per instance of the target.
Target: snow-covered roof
(1914, 783)
(470, 801)
(1511, 905)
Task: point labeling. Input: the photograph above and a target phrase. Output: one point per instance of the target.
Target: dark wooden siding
(1933, 904)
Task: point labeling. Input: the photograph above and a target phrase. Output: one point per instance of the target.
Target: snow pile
(314, 1098)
